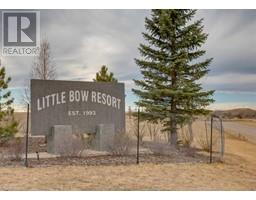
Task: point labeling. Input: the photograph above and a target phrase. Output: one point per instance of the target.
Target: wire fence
(200, 140)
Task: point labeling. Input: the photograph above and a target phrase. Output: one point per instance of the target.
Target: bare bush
(142, 129)
(73, 147)
(122, 144)
(185, 137)
(16, 148)
(202, 141)
(153, 129)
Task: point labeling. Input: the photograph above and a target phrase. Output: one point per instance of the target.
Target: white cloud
(230, 78)
(83, 40)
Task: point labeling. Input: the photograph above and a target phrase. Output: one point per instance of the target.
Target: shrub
(73, 147)
(142, 127)
(202, 141)
(121, 145)
(184, 138)
(16, 148)
(153, 129)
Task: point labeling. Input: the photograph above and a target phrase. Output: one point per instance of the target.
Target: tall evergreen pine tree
(170, 90)
(8, 126)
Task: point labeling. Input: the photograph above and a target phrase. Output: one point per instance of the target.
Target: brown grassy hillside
(240, 113)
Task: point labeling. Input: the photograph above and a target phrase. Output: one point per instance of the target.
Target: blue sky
(84, 40)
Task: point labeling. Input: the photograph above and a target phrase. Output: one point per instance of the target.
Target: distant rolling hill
(239, 113)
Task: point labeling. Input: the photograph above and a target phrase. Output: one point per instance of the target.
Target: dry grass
(237, 172)
(248, 122)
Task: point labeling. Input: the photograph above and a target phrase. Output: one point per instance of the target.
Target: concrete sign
(83, 105)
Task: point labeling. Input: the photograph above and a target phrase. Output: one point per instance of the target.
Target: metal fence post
(138, 137)
(211, 140)
(26, 153)
(222, 138)
(206, 133)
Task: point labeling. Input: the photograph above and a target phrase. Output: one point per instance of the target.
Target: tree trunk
(173, 131)
(173, 74)
(190, 130)
(174, 137)
(173, 125)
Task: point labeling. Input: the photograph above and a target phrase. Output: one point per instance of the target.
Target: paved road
(249, 132)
